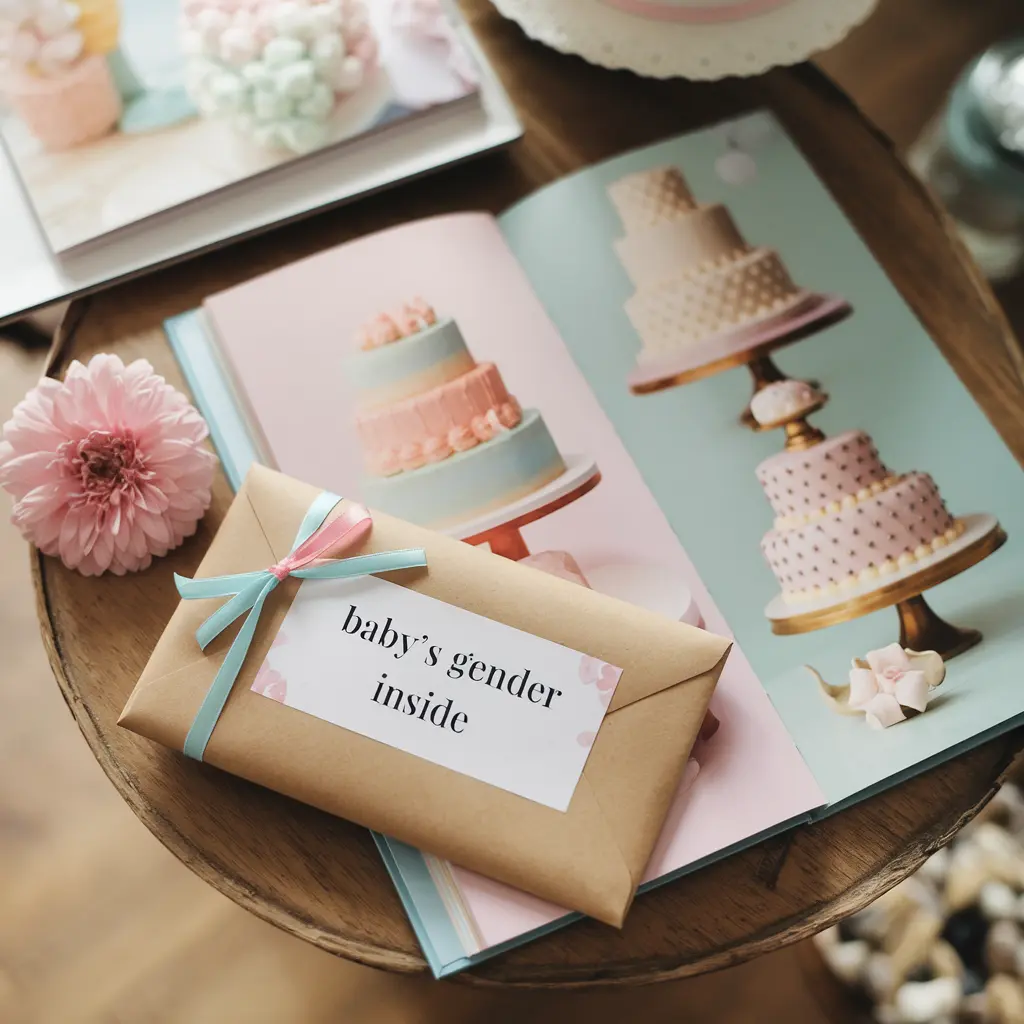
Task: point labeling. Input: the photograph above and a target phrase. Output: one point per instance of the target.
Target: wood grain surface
(320, 878)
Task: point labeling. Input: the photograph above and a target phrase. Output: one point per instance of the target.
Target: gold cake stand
(756, 357)
(921, 629)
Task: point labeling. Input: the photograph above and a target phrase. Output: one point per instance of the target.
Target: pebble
(847, 959)
(936, 867)
(879, 978)
(965, 931)
(1001, 945)
(973, 983)
(973, 1009)
(944, 961)
(966, 877)
(870, 923)
(1005, 999)
(997, 900)
(922, 1002)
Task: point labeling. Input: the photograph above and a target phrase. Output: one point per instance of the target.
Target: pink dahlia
(107, 467)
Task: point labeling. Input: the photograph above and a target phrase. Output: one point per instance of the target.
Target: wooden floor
(100, 925)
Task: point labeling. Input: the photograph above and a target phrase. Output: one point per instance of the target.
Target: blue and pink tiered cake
(444, 441)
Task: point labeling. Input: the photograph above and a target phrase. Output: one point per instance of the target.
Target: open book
(570, 392)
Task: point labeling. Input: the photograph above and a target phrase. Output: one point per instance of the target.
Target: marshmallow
(349, 75)
(302, 135)
(297, 80)
(227, 92)
(327, 53)
(192, 44)
(257, 75)
(279, 52)
(282, 65)
(292, 19)
(16, 11)
(270, 106)
(210, 23)
(238, 45)
(60, 52)
(325, 19)
(318, 104)
(53, 19)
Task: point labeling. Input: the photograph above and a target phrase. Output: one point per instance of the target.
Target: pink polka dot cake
(843, 518)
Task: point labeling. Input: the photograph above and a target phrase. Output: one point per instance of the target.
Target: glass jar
(972, 156)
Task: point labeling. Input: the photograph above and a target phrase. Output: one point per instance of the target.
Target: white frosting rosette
(276, 68)
(39, 36)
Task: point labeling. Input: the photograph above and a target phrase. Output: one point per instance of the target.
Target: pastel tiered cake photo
(703, 293)
(843, 519)
(443, 439)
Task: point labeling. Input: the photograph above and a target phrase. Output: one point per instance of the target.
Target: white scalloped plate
(720, 39)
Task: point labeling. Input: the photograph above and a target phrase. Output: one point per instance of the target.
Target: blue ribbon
(248, 592)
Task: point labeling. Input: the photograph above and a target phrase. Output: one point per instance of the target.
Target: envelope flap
(279, 504)
(241, 545)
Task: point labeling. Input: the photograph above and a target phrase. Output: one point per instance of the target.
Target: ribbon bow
(249, 591)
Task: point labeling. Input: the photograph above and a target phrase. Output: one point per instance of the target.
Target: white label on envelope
(450, 686)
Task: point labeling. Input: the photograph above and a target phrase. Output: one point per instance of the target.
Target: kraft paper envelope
(589, 858)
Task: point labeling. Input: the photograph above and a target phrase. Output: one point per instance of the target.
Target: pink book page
(288, 335)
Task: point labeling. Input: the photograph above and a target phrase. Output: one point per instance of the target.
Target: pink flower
(107, 467)
(885, 683)
(271, 684)
(603, 676)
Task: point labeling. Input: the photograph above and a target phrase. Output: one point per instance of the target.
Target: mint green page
(884, 375)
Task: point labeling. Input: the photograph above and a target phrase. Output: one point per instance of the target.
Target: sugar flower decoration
(107, 467)
(887, 685)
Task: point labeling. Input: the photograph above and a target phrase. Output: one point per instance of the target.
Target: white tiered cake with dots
(697, 279)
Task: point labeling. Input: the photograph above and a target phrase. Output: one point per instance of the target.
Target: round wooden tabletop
(321, 878)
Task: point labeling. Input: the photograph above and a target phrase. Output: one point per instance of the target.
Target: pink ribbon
(344, 532)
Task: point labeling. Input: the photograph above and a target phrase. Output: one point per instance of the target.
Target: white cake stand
(920, 628)
(647, 586)
(500, 527)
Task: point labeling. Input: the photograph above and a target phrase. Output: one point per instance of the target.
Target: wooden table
(321, 878)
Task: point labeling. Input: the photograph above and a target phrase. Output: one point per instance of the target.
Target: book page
(908, 476)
